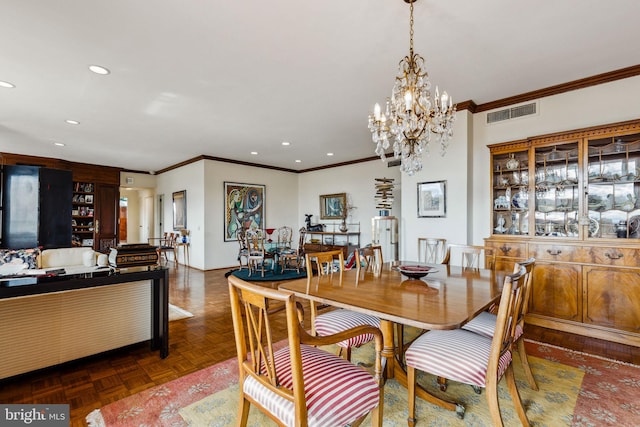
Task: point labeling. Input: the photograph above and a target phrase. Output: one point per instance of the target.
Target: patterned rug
(576, 389)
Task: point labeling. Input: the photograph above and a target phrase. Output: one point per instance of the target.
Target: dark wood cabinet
(35, 207)
(101, 187)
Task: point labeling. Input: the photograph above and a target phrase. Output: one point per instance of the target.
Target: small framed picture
(88, 198)
(432, 199)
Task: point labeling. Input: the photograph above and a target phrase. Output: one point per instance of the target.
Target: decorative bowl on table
(416, 271)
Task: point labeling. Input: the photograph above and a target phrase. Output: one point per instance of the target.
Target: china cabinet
(570, 200)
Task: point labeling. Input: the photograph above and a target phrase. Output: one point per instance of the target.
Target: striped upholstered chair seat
(337, 391)
(339, 320)
(458, 355)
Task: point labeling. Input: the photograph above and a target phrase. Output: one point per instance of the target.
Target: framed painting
(180, 210)
(432, 199)
(333, 206)
(243, 208)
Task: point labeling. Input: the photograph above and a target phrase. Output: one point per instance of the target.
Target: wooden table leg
(388, 348)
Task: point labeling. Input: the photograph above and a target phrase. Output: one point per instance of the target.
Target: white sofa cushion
(67, 257)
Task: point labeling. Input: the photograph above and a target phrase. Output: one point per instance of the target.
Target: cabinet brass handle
(613, 255)
(554, 251)
(505, 249)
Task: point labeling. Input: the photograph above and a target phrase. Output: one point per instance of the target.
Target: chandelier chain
(411, 29)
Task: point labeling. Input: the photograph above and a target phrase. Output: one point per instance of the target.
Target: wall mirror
(333, 206)
(180, 210)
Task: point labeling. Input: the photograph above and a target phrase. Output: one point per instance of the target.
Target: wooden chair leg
(525, 364)
(491, 393)
(515, 396)
(411, 387)
(243, 411)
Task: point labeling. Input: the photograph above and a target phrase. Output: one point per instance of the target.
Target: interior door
(146, 219)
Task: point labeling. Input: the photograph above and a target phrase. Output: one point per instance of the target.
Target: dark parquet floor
(195, 343)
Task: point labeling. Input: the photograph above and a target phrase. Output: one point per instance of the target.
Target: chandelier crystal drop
(410, 116)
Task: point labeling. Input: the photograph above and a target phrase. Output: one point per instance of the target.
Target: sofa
(72, 260)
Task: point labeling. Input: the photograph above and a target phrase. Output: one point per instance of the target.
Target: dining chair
(471, 358)
(289, 256)
(298, 384)
(335, 320)
(431, 250)
(485, 323)
(243, 251)
(256, 253)
(167, 244)
(372, 258)
(470, 256)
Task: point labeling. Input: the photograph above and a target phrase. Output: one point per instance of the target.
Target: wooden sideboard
(571, 200)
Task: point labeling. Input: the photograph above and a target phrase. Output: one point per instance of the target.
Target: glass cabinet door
(614, 187)
(510, 176)
(557, 195)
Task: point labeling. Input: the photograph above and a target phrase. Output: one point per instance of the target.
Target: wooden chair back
(372, 257)
(285, 237)
(431, 250)
(324, 262)
(471, 256)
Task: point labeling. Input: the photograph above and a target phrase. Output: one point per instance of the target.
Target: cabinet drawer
(508, 249)
(601, 255)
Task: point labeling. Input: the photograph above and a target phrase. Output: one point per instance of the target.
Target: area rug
(269, 275)
(177, 313)
(576, 389)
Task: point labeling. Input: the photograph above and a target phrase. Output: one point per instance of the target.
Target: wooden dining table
(446, 298)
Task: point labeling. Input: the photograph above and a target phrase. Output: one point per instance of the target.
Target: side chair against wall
(279, 382)
(431, 250)
(333, 321)
(485, 322)
(471, 358)
(291, 258)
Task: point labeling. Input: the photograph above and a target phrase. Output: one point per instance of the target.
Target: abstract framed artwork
(432, 199)
(180, 210)
(243, 208)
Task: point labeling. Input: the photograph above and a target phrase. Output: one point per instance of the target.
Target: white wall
(455, 169)
(358, 181)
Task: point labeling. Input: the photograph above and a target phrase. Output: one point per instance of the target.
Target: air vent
(512, 113)
(393, 163)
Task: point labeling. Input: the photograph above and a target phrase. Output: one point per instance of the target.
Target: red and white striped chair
(337, 320)
(485, 323)
(471, 358)
(300, 384)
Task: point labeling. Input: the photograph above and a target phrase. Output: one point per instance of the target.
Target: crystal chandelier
(410, 117)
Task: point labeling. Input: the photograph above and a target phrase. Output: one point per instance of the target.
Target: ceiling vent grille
(512, 113)
(393, 163)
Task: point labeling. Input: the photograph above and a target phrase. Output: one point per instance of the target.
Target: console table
(61, 318)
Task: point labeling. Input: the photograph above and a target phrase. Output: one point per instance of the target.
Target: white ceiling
(224, 78)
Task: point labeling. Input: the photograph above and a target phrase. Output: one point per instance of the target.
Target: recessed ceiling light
(58, 144)
(329, 154)
(254, 153)
(298, 161)
(286, 143)
(6, 84)
(99, 70)
(72, 122)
